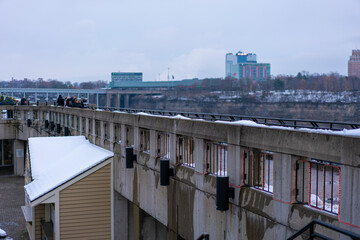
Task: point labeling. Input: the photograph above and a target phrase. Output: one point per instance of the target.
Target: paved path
(11, 199)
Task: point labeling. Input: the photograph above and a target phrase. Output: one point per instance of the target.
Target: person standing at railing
(60, 101)
(23, 101)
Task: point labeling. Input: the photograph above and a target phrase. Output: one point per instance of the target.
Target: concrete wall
(187, 207)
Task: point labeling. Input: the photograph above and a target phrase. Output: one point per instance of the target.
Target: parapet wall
(274, 171)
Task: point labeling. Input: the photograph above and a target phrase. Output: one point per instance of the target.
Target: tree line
(302, 81)
(52, 83)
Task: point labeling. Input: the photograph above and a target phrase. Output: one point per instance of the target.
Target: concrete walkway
(12, 197)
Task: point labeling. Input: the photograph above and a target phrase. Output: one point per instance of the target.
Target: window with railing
(144, 136)
(318, 184)
(83, 124)
(72, 121)
(78, 123)
(106, 130)
(263, 169)
(97, 128)
(163, 145)
(117, 133)
(216, 158)
(129, 136)
(185, 151)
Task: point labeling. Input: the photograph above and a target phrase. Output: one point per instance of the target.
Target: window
(185, 151)
(83, 124)
(77, 123)
(144, 140)
(117, 133)
(163, 145)
(318, 184)
(216, 158)
(106, 129)
(72, 121)
(263, 171)
(129, 136)
(97, 128)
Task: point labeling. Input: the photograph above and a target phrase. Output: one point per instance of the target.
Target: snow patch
(2, 233)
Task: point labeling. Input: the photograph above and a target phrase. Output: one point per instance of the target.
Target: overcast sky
(82, 40)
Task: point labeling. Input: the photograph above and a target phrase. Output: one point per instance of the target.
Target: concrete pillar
(93, 130)
(111, 135)
(127, 101)
(87, 127)
(121, 217)
(19, 157)
(97, 100)
(108, 99)
(102, 132)
(118, 99)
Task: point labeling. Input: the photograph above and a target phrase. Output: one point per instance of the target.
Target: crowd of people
(70, 102)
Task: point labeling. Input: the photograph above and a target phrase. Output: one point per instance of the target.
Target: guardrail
(314, 235)
(269, 121)
(293, 123)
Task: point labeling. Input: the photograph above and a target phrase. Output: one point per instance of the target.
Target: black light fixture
(223, 193)
(130, 157)
(66, 131)
(28, 123)
(58, 128)
(46, 123)
(165, 172)
(52, 126)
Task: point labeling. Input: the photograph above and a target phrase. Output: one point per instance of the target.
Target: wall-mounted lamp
(130, 157)
(58, 128)
(28, 123)
(223, 193)
(165, 172)
(66, 131)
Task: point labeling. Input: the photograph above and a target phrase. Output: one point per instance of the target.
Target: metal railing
(314, 235)
(269, 121)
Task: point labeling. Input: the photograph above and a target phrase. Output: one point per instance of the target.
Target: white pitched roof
(56, 160)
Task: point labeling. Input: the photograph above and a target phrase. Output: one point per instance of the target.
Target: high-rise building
(354, 64)
(245, 66)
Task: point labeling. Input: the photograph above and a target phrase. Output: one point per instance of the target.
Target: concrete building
(244, 66)
(126, 77)
(281, 178)
(354, 64)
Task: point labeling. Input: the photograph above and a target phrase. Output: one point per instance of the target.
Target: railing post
(311, 229)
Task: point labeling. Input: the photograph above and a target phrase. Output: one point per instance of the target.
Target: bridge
(99, 97)
(218, 179)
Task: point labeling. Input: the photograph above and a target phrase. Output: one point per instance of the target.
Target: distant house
(68, 189)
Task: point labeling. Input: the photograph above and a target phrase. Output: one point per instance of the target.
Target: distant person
(60, 101)
(23, 101)
(68, 102)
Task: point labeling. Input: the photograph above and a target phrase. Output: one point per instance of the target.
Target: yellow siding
(39, 216)
(85, 207)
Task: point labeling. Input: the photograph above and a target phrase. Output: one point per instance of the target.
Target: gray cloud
(87, 39)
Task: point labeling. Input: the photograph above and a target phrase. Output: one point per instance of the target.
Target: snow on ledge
(249, 123)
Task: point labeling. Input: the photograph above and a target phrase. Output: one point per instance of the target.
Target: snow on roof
(56, 160)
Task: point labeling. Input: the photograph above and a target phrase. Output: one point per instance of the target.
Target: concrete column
(19, 157)
(123, 135)
(93, 130)
(118, 99)
(111, 135)
(349, 202)
(87, 127)
(121, 217)
(127, 101)
(108, 99)
(172, 148)
(199, 157)
(102, 133)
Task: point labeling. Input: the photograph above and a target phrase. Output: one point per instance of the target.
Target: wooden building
(68, 189)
